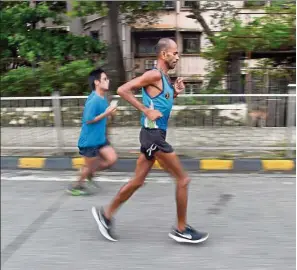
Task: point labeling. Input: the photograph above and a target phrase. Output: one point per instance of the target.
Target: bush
(70, 79)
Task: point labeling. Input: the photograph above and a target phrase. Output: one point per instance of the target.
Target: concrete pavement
(202, 142)
(250, 218)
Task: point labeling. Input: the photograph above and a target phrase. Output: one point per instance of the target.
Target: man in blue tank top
(158, 96)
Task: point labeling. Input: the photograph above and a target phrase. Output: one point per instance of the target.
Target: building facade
(138, 41)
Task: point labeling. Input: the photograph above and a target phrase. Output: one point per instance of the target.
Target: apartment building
(138, 41)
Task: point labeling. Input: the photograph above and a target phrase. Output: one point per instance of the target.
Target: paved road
(250, 218)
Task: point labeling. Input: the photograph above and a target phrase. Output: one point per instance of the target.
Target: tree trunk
(234, 76)
(196, 10)
(115, 66)
(248, 90)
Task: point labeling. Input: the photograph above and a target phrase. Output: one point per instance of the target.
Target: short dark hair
(163, 44)
(95, 75)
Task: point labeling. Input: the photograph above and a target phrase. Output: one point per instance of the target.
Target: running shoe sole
(76, 193)
(183, 240)
(101, 227)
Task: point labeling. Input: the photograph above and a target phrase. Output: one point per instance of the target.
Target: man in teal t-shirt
(93, 144)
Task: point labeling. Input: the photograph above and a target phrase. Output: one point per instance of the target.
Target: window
(146, 45)
(191, 43)
(94, 35)
(253, 3)
(163, 4)
(146, 42)
(187, 4)
(149, 64)
(192, 87)
(59, 29)
(168, 4)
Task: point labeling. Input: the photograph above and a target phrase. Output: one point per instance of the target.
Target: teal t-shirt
(93, 135)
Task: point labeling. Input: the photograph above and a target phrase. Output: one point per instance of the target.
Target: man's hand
(179, 86)
(110, 110)
(153, 114)
(114, 112)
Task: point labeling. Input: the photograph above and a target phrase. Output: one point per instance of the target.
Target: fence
(256, 122)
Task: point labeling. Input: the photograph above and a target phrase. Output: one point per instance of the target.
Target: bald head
(167, 52)
(164, 44)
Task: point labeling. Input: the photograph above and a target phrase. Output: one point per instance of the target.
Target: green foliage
(131, 11)
(141, 12)
(69, 79)
(255, 4)
(274, 31)
(20, 37)
(203, 100)
(84, 8)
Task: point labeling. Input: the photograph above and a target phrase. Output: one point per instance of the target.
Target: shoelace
(190, 228)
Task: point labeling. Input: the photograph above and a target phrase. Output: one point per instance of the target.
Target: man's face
(103, 83)
(171, 55)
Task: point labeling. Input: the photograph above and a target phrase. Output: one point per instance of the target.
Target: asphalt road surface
(250, 218)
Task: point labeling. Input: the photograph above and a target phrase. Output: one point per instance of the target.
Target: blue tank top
(163, 102)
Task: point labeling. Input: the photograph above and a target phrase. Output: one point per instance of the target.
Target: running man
(93, 144)
(157, 95)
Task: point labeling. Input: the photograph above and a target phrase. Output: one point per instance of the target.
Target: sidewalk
(185, 141)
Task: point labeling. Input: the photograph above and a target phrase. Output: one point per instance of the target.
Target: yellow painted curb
(278, 165)
(216, 164)
(33, 163)
(157, 165)
(77, 163)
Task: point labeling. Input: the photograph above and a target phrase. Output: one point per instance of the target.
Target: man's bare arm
(125, 91)
(99, 117)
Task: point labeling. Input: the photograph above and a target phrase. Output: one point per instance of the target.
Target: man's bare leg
(103, 217)
(143, 166)
(183, 233)
(106, 159)
(90, 163)
(171, 163)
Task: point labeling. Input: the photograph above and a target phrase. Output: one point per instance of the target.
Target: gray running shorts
(153, 140)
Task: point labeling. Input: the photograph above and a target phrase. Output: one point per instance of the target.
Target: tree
(23, 43)
(221, 13)
(130, 12)
(271, 32)
(268, 34)
(235, 38)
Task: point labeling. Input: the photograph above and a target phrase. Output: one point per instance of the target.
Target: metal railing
(53, 123)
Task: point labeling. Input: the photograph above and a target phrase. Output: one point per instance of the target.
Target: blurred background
(238, 59)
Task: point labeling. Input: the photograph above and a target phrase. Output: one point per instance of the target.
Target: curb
(128, 165)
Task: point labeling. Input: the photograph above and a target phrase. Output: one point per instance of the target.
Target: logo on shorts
(167, 95)
(152, 148)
